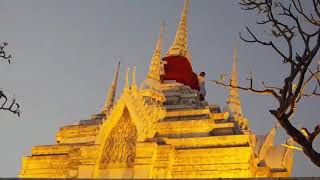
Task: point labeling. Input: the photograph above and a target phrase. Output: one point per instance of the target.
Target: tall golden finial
(180, 43)
(111, 93)
(154, 70)
(234, 99)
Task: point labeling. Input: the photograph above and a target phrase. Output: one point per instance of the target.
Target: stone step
(46, 170)
(179, 94)
(51, 149)
(209, 142)
(54, 175)
(79, 128)
(185, 118)
(172, 93)
(239, 173)
(219, 116)
(220, 121)
(193, 112)
(181, 127)
(76, 140)
(214, 108)
(213, 156)
(183, 135)
(98, 116)
(35, 164)
(45, 159)
(170, 83)
(199, 131)
(176, 87)
(186, 114)
(173, 116)
(211, 167)
(77, 133)
(57, 148)
(91, 122)
(180, 106)
(223, 129)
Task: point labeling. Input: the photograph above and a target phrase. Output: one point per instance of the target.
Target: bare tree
(5, 104)
(298, 27)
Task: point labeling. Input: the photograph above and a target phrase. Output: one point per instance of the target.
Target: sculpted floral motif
(119, 150)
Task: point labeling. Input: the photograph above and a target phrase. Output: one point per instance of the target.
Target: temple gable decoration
(119, 148)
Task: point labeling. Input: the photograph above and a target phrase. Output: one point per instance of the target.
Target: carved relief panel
(119, 150)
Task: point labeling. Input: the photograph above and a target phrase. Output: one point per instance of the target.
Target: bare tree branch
(311, 136)
(12, 106)
(266, 91)
(286, 21)
(3, 54)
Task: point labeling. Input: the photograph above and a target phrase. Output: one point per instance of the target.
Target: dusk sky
(65, 54)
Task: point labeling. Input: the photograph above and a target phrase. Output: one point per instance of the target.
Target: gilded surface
(161, 133)
(119, 150)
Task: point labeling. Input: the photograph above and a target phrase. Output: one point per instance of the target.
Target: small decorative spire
(234, 99)
(154, 70)
(127, 78)
(111, 93)
(180, 43)
(134, 82)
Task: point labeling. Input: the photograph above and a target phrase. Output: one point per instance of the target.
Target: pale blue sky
(65, 53)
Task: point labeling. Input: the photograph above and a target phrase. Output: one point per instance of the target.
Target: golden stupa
(161, 130)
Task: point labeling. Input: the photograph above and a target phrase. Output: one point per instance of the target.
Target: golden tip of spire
(186, 5)
(180, 43)
(234, 74)
(235, 55)
(127, 77)
(111, 93)
(162, 26)
(118, 67)
(134, 75)
(159, 42)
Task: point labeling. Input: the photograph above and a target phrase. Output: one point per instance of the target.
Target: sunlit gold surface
(160, 132)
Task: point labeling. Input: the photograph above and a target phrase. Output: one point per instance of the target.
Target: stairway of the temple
(188, 117)
(204, 141)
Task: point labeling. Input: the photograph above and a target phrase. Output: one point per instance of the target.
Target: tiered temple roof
(161, 131)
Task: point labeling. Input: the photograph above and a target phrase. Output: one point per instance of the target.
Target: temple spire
(111, 93)
(154, 70)
(233, 101)
(180, 43)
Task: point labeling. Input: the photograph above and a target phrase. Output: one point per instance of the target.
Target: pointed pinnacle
(159, 42)
(127, 78)
(234, 71)
(111, 93)
(180, 43)
(154, 69)
(134, 83)
(234, 99)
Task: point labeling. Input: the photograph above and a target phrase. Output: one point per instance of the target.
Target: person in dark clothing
(202, 91)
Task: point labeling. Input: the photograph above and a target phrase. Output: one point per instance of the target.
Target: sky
(65, 53)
